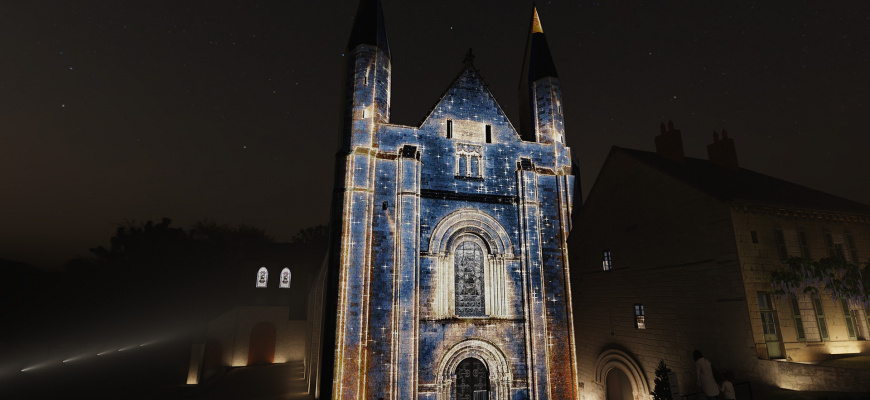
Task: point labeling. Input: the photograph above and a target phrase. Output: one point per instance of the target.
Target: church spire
(536, 23)
(537, 64)
(368, 27)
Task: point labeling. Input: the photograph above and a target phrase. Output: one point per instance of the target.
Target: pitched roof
(469, 78)
(743, 184)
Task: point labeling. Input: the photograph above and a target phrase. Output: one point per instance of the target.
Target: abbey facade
(448, 264)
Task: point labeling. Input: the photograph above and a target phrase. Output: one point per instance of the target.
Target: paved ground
(268, 382)
(783, 394)
(854, 362)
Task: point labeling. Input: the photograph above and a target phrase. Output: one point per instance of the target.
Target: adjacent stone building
(674, 253)
(273, 314)
(448, 266)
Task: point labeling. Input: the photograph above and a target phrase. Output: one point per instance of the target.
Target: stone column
(534, 295)
(406, 275)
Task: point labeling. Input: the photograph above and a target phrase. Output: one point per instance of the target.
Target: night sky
(230, 111)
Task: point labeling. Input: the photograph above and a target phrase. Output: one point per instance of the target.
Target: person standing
(727, 388)
(706, 384)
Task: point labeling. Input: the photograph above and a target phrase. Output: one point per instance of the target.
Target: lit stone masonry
(448, 268)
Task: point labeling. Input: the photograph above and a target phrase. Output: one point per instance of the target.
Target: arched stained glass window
(262, 277)
(285, 278)
(468, 264)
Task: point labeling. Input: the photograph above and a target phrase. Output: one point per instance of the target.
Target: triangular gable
(468, 97)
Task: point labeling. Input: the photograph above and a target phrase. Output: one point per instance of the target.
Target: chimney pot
(670, 144)
(722, 152)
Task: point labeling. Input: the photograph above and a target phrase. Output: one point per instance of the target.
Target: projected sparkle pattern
(451, 242)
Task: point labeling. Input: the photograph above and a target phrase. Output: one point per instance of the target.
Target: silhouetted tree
(156, 266)
(662, 388)
(317, 235)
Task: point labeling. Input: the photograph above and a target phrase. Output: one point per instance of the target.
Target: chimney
(670, 143)
(722, 152)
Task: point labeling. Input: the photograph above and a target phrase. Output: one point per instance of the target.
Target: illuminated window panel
(867, 313)
(798, 319)
(607, 263)
(262, 277)
(639, 317)
(285, 279)
(850, 322)
(820, 317)
(768, 319)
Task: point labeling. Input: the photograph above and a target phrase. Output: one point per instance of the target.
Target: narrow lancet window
(606, 262)
(262, 277)
(639, 317)
(285, 279)
(449, 129)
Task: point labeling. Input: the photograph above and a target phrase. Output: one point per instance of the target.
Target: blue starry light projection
(448, 270)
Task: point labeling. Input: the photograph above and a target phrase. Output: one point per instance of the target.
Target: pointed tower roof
(537, 63)
(368, 27)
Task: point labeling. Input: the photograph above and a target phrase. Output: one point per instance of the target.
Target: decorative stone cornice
(797, 213)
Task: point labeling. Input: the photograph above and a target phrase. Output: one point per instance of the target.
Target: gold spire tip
(536, 23)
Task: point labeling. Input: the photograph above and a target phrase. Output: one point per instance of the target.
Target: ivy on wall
(832, 276)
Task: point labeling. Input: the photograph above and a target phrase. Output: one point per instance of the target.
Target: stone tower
(448, 266)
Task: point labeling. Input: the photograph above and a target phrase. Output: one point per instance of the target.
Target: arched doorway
(620, 375)
(261, 349)
(618, 385)
(464, 356)
(472, 380)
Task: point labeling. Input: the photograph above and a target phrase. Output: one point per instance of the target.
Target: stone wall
(698, 264)
(761, 255)
(804, 377)
(672, 251)
(233, 331)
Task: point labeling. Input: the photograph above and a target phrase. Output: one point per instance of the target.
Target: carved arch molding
(496, 363)
(613, 358)
(457, 228)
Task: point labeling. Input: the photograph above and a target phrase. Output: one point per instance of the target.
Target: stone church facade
(448, 264)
